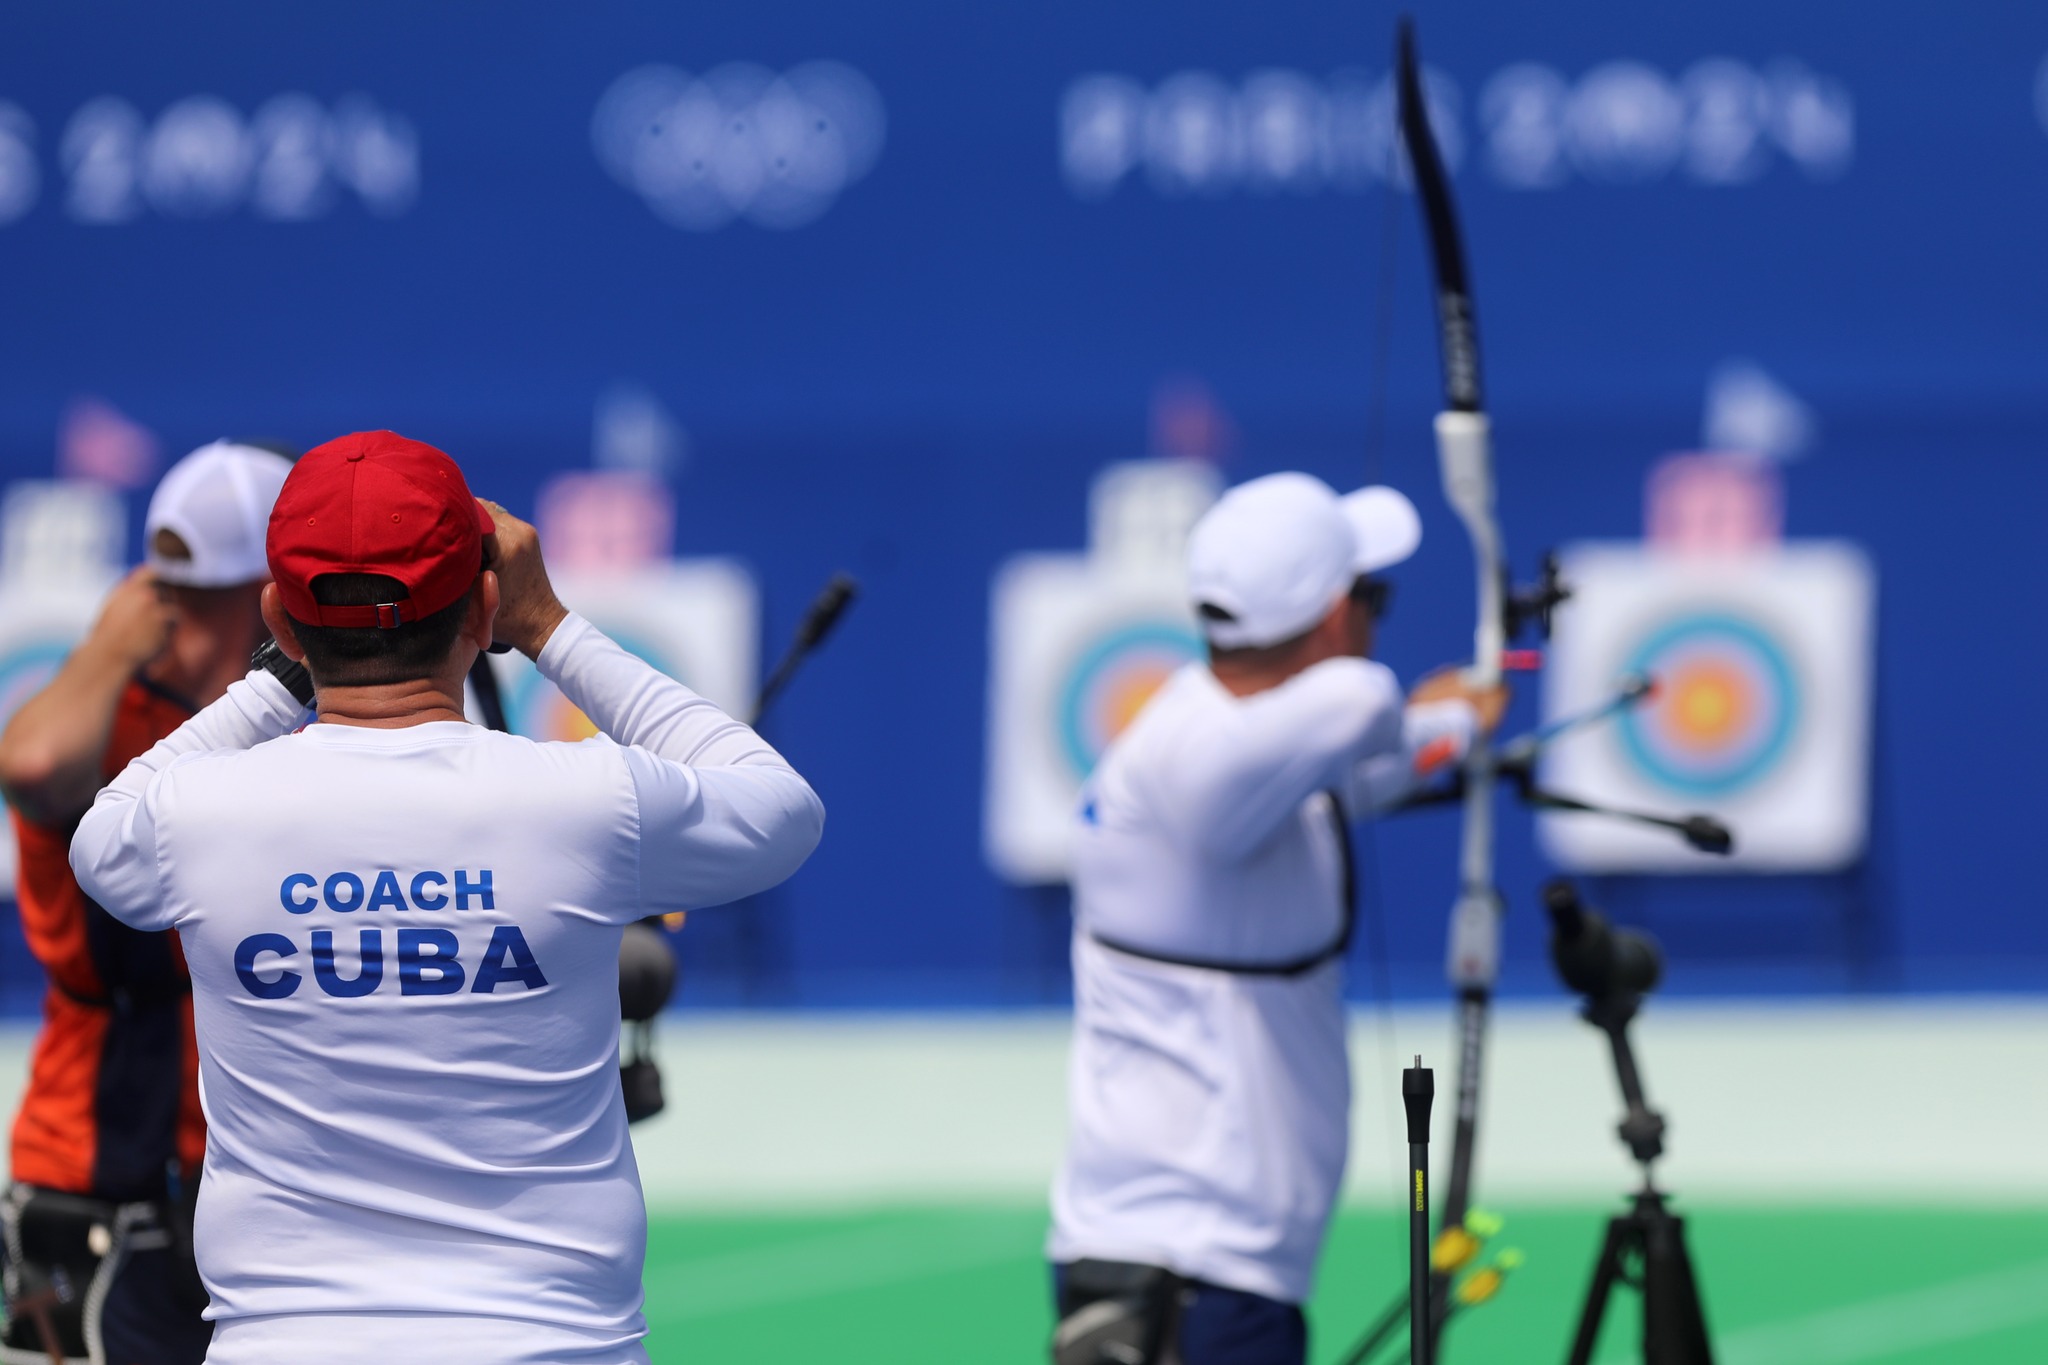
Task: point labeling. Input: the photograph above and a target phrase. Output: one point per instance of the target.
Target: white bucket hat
(1274, 554)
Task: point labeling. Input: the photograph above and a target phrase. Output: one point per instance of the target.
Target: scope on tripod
(1593, 957)
(1645, 1247)
(647, 978)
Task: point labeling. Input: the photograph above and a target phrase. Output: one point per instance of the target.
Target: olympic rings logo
(739, 141)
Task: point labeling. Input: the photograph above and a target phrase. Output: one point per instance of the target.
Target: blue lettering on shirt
(415, 961)
(346, 892)
(385, 895)
(507, 943)
(270, 988)
(344, 881)
(429, 963)
(287, 893)
(437, 901)
(481, 888)
(371, 944)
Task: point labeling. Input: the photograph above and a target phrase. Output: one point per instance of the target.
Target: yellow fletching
(1478, 1287)
(1454, 1250)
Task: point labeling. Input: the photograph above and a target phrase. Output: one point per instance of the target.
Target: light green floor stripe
(1867, 1102)
(1962, 1310)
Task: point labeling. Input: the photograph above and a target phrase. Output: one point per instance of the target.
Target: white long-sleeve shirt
(404, 955)
(1209, 1110)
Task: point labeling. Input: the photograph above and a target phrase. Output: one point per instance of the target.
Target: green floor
(943, 1287)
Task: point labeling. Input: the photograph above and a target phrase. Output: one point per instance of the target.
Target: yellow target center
(569, 723)
(1708, 706)
(1126, 697)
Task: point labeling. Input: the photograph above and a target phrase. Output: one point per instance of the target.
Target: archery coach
(1209, 1086)
(403, 932)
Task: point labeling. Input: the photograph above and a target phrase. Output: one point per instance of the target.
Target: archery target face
(537, 709)
(1079, 648)
(1761, 714)
(697, 621)
(39, 626)
(1110, 681)
(25, 670)
(1726, 707)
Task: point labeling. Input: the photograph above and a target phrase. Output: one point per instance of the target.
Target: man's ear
(1332, 634)
(280, 624)
(482, 618)
(1361, 631)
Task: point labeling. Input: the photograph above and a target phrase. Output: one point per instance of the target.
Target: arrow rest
(1534, 603)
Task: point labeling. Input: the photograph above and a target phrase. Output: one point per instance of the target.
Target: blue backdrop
(903, 335)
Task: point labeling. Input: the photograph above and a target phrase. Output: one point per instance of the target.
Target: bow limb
(1465, 453)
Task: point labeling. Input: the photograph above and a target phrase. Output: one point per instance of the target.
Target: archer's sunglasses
(1376, 595)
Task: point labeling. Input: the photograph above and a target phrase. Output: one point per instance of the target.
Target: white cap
(1276, 553)
(217, 500)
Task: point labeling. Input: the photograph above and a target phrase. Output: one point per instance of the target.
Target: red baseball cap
(376, 502)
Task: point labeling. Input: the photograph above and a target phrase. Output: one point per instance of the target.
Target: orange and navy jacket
(112, 1109)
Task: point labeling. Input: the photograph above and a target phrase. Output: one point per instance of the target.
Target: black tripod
(1645, 1247)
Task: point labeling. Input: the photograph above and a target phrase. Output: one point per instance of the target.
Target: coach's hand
(528, 610)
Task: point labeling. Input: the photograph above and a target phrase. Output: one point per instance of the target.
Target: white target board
(40, 623)
(698, 621)
(1079, 647)
(1762, 714)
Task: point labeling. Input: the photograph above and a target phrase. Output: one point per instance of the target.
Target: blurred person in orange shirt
(108, 1142)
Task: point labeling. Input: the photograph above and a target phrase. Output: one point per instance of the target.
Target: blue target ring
(1112, 678)
(1728, 705)
(24, 672)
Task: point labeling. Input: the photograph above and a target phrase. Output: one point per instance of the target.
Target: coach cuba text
(429, 960)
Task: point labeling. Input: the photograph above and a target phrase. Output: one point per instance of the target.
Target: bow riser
(1464, 446)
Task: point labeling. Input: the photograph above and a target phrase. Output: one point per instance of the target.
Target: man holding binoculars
(403, 931)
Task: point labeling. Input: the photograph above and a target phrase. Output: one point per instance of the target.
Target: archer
(1209, 1083)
